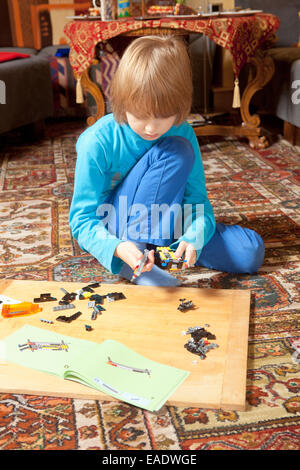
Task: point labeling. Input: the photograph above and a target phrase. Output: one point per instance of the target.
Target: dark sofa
(44, 86)
(40, 87)
(28, 91)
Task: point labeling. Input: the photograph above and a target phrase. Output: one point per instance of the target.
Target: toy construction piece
(185, 305)
(98, 299)
(20, 309)
(139, 267)
(198, 344)
(45, 320)
(63, 307)
(87, 291)
(67, 298)
(91, 287)
(82, 294)
(112, 296)
(44, 298)
(65, 319)
(165, 258)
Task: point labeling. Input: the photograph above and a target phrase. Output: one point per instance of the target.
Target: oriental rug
(259, 189)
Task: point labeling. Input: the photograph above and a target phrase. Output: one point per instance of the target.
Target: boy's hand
(186, 251)
(129, 252)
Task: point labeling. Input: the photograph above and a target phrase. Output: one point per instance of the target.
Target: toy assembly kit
(125, 341)
(164, 257)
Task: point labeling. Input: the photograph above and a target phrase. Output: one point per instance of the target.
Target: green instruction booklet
(110, 367)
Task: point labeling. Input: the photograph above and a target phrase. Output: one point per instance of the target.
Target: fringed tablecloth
(241, 35)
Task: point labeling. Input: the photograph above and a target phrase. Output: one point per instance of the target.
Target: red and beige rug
(257, 189)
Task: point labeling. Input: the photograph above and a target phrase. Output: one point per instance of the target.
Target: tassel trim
(236, 95)
(79, 92)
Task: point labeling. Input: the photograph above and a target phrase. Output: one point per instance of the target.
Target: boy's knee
(253, 253)
(233, 249)
(180, 149)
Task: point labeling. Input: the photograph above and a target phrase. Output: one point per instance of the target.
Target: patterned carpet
(258, 189)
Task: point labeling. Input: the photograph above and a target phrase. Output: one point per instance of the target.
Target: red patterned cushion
(6, 56)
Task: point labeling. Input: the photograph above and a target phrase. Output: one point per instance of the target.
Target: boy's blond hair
(153, 79)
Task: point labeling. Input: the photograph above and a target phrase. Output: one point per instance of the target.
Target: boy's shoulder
(102, 127)
(105, 121)
(184, 130)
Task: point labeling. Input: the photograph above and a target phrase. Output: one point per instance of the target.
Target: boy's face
(150, 128)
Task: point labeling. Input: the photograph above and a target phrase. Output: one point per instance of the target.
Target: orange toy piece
(23, 308)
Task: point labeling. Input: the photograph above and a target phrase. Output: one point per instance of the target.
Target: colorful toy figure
(165, 258)
(139, 267)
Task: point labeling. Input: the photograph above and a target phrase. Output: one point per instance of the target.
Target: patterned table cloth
(241, 35)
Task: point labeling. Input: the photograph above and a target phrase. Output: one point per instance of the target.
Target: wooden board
(148, 322)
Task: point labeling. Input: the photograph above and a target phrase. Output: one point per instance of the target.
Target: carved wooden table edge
(250, 127)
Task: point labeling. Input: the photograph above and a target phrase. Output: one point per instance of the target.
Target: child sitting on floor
(139, 180)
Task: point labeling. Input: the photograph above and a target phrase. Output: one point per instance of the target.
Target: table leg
(264, 70)
(90, 87)
(250, 128)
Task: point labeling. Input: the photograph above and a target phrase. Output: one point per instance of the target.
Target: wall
(227, 4)
(16, 25)
(224, 74)
(287, 10)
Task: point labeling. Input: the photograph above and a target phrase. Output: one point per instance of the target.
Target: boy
(139, 180)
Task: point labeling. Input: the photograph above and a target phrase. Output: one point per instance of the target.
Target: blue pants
(159, 177)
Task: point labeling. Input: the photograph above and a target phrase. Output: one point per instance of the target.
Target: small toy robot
(185, 305)
(165, 258)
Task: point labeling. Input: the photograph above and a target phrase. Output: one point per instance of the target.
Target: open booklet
(110, 367)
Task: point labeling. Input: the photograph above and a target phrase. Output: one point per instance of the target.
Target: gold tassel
(236, 95)
(79, 92)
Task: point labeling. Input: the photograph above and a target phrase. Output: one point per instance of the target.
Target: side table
(243, 36)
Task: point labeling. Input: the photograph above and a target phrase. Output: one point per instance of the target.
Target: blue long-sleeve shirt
(106, 152)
